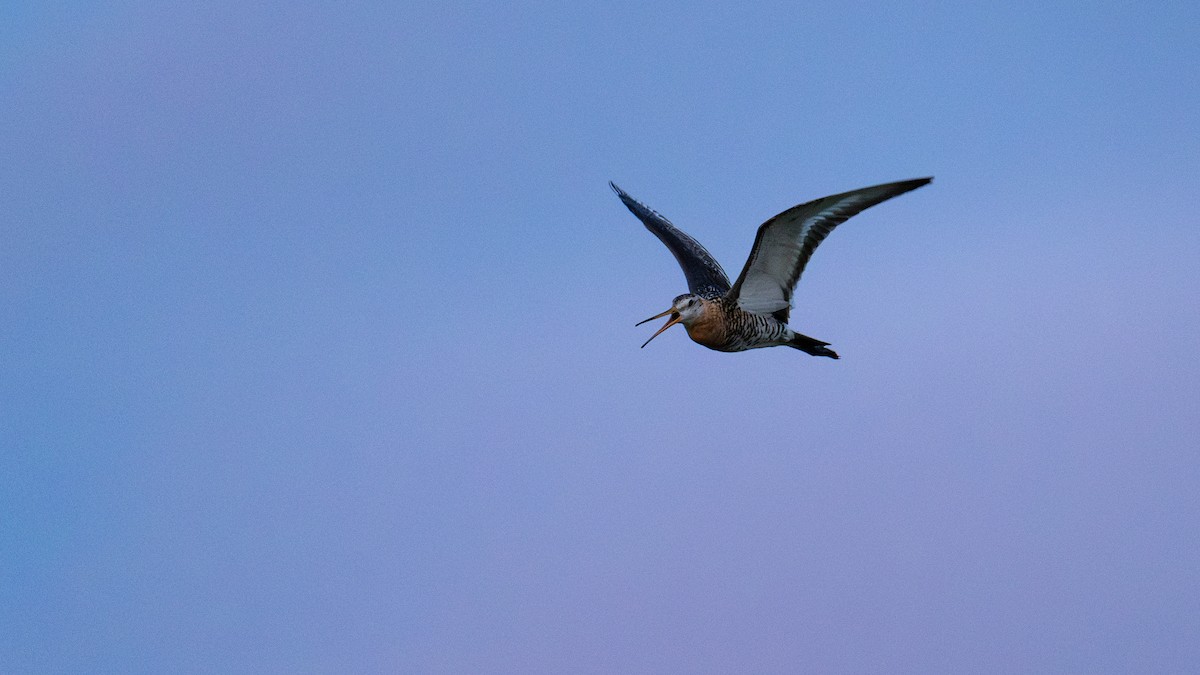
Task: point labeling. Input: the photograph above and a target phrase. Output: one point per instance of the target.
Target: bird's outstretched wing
(704, 274)
(786, 242)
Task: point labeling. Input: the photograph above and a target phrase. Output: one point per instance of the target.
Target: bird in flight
(753, 312)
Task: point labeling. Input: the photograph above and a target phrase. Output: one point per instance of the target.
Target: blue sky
(317, 347)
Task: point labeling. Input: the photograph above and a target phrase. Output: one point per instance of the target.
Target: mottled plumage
(753, 312)
(704, 274)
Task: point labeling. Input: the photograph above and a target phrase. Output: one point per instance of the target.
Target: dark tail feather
(811, 346)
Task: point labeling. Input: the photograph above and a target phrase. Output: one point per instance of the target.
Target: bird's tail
(811, 346)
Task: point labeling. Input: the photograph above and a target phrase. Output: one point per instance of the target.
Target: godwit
(753, 312)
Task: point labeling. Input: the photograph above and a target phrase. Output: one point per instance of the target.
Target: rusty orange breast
(709, 330)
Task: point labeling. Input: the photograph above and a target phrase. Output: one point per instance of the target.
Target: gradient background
(318, 352)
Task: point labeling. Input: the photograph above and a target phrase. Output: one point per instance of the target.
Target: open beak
(675, 318)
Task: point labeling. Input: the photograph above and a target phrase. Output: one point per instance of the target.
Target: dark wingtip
(900, 187)
(912, 183)
(640, 210)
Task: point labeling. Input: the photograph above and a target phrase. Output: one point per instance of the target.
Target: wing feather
(704, 274)
(785, 244)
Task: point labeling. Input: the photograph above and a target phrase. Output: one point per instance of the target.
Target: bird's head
(684, 309)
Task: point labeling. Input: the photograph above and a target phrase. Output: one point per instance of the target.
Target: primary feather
(785, 244)
(704, 274)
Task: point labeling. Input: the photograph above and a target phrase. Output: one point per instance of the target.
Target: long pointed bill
(674, 320)
(669, 311)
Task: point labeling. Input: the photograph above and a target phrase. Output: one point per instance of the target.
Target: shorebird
(753, 312)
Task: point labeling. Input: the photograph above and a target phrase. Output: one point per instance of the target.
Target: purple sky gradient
(317, 348)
